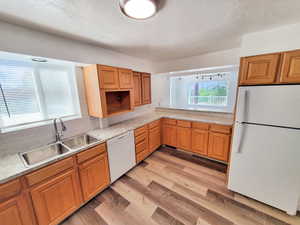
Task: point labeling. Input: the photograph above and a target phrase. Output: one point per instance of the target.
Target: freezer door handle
(243, 102)
(240, 134)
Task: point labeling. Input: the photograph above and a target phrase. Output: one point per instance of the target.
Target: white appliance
(121, 155)
(265, 158)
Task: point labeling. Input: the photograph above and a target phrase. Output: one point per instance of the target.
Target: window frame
(72, 80)
(232, 80)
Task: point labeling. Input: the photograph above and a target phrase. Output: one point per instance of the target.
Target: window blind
(32, 92)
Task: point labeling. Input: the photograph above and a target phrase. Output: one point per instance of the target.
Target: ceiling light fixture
(139, 9)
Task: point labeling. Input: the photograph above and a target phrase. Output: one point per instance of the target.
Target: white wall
(21, 40)
(274, 40)
(17, 39)
(220, 58)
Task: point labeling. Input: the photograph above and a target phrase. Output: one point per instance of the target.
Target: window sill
(194, 109)
(35, 124)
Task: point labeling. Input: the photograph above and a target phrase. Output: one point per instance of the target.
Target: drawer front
(184, 123)
(49, 171)
(169, 121)
(141, 146)
(10, 189)
(154, 124)
(91, 153)
(140, 130)
(141, 138)
(200, 125)
(221, 128)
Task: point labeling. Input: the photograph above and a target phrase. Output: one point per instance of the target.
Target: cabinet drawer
(221, 128)
(200, 125)
(141, 138)
(154, 124)
(184, 123)
(49, 171)
(140, 130)
(169, 121)
(141, 146)
(141, 156)
(10, 189)
(91, 153)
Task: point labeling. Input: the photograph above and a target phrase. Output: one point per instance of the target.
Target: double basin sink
(55, 150)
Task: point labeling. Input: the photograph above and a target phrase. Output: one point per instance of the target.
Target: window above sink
(33, 92)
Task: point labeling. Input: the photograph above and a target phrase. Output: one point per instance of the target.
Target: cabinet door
(200, 141)
(56, 199)
(259, 69)
(290, 72)
(184, 138)
(137, 87)
(109, 77)
(218, 146)
(146, 88)
(154, 139)
(15, 212)
(94, 176)
(169, 135)
(125, 78)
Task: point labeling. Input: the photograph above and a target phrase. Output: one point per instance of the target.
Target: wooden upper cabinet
(218, 147)
(125, 78)
(290, 70)
(200, 141)
(108, 77)
(184, 138)
(56, 198)
(261, 69)
(146, 88)
(137, 87)
(94, 176)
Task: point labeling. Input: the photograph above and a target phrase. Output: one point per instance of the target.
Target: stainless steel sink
(79, 141)
(43, 153)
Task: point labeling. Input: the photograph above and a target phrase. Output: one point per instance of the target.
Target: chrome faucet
(59, 135)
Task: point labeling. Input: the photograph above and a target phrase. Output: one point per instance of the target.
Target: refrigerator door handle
(240, 135)
(243, 102)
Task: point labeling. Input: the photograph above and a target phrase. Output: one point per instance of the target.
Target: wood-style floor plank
(175, 188)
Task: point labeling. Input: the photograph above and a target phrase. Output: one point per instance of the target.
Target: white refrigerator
(265, 157)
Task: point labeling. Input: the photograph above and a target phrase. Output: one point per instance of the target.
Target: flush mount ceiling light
(139, 9)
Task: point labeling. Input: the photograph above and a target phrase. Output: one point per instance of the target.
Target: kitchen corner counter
(122, 127)
(12, 167)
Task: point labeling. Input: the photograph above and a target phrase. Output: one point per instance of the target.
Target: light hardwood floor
(175, 188)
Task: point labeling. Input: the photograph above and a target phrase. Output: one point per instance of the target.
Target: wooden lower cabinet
(154, 139)
(184, 138)
(56, 198)
(169, 135)
(15, 212)
(218, 147)
(200, 141)
(94, 176)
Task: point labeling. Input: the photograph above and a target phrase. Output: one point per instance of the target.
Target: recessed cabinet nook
(112, 91)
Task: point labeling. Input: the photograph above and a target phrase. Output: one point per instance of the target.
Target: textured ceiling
(181, 28)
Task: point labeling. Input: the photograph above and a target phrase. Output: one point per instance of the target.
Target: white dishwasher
(121, 155)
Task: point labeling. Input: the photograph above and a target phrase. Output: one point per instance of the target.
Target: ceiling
(181, 28)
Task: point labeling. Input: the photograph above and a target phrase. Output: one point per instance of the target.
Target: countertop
(12, 167)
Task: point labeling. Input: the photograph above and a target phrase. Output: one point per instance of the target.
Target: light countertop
(12, 167)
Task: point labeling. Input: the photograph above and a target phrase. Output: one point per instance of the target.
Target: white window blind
(32, 92)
